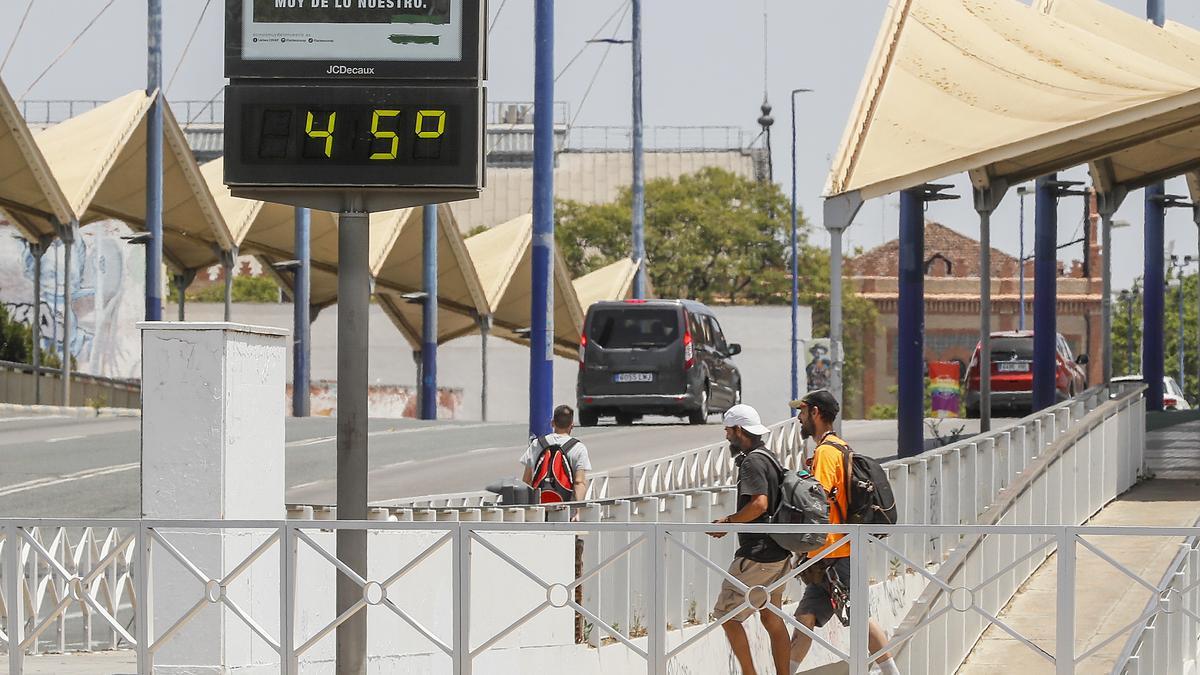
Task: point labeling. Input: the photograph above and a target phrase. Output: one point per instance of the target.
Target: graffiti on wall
(106, 278)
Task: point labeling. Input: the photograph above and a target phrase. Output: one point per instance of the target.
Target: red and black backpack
(553, 475)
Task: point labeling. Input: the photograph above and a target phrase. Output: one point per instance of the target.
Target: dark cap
(822, 400)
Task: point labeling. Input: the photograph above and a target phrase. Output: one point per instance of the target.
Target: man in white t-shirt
(563, 423)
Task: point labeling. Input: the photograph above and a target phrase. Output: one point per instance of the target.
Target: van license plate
(633, 377)
(1014, 367)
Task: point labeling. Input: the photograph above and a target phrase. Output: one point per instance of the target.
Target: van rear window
(634, 328)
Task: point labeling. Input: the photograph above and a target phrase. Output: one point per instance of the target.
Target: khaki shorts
(752, 574)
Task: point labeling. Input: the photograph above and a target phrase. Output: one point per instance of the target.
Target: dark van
(654, 357)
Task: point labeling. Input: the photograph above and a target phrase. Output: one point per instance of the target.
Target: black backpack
(553, 475)
(802, 501)
(869, 500)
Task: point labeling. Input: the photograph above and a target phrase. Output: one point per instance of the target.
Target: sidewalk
(1107, 600)
(122, 662)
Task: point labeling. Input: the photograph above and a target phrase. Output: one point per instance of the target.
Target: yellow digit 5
(377, 115)
(326, 133)
(441, 123)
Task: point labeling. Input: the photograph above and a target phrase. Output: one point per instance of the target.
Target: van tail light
(582, 349)
(689, 350)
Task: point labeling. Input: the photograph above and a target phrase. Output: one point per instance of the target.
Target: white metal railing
(1164, 639)
(469, 638)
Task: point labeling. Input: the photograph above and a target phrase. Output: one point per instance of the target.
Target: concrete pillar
(212, 449)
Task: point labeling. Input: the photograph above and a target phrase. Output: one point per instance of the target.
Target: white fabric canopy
(28, 191)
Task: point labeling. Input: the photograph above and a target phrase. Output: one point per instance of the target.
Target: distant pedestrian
(759, 561)
(827, 580)
(556, 464)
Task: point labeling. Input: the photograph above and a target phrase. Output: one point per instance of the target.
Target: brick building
(952, 302)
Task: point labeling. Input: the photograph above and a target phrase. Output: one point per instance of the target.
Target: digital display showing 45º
(353, 136)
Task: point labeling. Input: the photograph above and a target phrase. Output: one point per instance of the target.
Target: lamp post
(1128, 299)
(795, 262)
(1022, 191)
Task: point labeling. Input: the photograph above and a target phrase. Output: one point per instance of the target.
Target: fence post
(287, 600)
(145, 601)
(656, 606)
(1064, 630)
(860, 594)
(462, 606)
(12, 582)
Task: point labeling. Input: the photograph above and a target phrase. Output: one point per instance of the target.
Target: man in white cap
(759, 561)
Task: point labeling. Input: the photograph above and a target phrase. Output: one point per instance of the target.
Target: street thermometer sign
(370, 104)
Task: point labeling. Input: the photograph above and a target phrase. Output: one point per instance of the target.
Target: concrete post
(212, 449)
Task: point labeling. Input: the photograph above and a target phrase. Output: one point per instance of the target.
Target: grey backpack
(802, 501)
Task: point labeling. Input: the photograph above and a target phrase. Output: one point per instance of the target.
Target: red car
(1012, 373)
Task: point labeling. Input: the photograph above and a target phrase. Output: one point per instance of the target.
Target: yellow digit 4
(440, 115)
(326, 133)
(377, 115)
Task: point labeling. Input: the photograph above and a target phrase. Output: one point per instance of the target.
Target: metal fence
(463, 640)
(47, 112)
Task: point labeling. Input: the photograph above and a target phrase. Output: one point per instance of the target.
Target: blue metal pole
(1045, 291)
(1154, 285)
(541, 335)
(1154, 288)
(429, 327)
(639, 178)
(910, 338)
(795, 267)
(301, 318)
(154, 163)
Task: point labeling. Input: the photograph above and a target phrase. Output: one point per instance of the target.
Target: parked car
(1012, 373)
(654, 357)
(1173, 398)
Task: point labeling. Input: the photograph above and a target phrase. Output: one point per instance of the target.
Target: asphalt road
(60, 467)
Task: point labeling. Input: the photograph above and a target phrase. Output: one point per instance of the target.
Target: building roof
(961, 251)
(999, 89)
(28, 190)
(99, 160)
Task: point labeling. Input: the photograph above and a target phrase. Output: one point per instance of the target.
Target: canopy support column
(1153, 288)
(1045, 291)
(228, 260)
(485, 327)
(987, 198)
(37, 250)
(429, 310)
(910, 331)
(182, 281)
(67, 235)
(839, 212)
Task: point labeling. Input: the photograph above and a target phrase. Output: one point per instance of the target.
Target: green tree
(719, 238)
(16, 343)
(245, 289)
(1127, 322)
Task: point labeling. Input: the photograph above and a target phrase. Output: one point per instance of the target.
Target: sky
(705, 63)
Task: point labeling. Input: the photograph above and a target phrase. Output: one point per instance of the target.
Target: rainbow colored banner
(945, 388)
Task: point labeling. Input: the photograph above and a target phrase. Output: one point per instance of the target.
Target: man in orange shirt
(817, 410)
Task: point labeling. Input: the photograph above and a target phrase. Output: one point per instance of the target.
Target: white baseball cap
(742, 415)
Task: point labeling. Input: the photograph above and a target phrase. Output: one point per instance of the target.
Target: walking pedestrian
(827, 579)
(759, 561)
(556, 464)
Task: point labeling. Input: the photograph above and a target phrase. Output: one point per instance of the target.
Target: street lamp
(795, 261)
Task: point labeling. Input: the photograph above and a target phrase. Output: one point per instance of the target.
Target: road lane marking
(64, 438)
(31, 417)
(510, 448)
(320, 481)
(394, 432)
(58, 480)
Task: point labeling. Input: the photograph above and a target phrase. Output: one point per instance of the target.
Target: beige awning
(998, 88)
(611, 282)
(99, 159)
(1160, 158)
(461, 299)
(28, 191)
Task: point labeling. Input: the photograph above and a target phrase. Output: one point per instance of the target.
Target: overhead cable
(68, 47)
(18, 34)
(188, 46)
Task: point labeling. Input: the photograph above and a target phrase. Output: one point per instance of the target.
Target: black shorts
(816, 599)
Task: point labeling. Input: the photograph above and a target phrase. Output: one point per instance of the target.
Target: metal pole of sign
(639, 179)
(154, 163)
(228, 258)
(429, 318)
(541, 336)
(301, 318)
(1045, 291)
(354, 302)
(485, 326)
